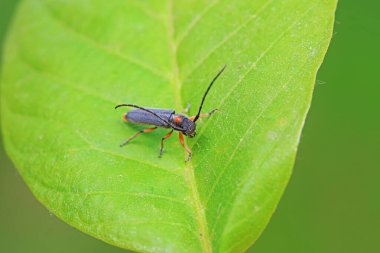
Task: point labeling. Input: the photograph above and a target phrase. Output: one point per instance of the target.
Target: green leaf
(68, 63)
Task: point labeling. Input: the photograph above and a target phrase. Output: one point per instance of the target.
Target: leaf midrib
(189, 168)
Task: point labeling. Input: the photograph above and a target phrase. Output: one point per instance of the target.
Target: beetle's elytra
(167, 118)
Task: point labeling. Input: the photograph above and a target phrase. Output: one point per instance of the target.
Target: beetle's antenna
(153, 113)
(208, 88)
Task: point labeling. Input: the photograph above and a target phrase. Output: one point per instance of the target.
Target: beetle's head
(188, 127)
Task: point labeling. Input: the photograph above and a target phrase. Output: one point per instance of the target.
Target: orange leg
(162, 141)
(185, 146)
(146, 130)
(204, 115)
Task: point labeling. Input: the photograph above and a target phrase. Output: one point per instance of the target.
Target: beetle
(167, 118)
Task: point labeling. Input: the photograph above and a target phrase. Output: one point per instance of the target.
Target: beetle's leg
(146, 130)
(204, 115)
(185, 146)
(187, 108)
(162, 141)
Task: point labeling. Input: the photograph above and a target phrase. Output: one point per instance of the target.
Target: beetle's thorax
(183, 122)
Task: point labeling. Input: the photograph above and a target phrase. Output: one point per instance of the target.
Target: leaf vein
(228, 37)
(189, 171)
(101, 47)
(254, 123)
(64, 82)
(194, 21)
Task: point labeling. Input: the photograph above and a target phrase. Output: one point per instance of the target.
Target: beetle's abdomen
(142, 117)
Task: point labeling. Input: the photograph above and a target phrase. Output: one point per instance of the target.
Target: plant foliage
(68, 63)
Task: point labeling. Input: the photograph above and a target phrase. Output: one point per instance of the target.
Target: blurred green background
(332, 203)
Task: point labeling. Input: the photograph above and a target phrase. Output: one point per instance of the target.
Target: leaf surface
(68, 63)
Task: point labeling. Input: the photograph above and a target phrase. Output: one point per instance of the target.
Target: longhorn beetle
(167, 118)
